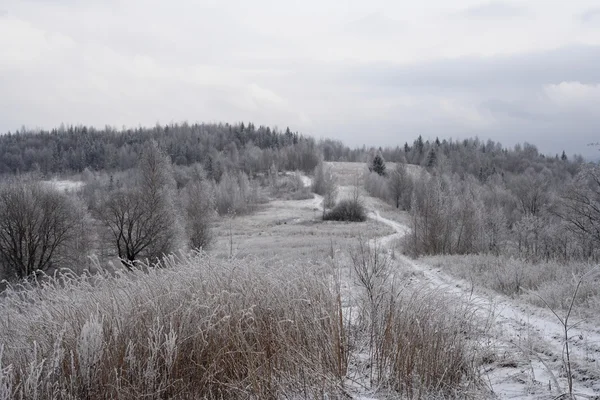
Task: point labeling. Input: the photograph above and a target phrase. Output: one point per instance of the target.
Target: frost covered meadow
(278, 274)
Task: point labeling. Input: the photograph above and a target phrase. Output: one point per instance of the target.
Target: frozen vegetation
(271, 269)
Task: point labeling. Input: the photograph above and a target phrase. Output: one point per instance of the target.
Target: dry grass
(201, 328)
(215, 329)
(417, 342)
(423, 345)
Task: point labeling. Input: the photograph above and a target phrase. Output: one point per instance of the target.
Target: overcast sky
(371, 72)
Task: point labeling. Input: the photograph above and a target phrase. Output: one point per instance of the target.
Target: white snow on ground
(518, 328)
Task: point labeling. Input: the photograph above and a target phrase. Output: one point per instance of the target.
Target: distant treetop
(75, 148)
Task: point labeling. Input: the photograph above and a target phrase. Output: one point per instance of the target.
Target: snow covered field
(518, 349)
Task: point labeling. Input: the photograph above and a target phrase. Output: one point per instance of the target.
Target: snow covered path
(518, 328)
(527, 341)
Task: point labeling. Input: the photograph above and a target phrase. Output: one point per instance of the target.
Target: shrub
(347, 210)
(303, 194)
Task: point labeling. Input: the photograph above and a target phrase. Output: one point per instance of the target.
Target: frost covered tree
(233, 194)
(142, 219)
(325, 184)
(399, 184)
(531, 191)
(198, 202)
(447, 216)
(431, 159)
(581, 204)
(199, 207)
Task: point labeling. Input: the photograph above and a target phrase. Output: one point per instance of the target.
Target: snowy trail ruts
(511, 322)
(512, 319)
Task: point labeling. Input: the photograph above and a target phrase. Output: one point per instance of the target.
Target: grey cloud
(507, 93)
(494, 9)
(590, 15)
(504, 108)
(577, 63)
(551, 135)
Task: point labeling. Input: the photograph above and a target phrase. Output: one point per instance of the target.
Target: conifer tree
(378, 165)
(431, 159)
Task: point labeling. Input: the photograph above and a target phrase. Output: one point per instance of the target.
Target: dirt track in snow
(529, 340)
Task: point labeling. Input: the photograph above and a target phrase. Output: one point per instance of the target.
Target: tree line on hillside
(548, 211)
(151, 191)
(472, 156)
(73, 149)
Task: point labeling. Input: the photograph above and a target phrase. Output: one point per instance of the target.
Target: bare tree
(39, 229)
(142, 220)
(233, 194)
(581, 204)
(398, 183)
(325, 184)
(531, 191)
(199, 205)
